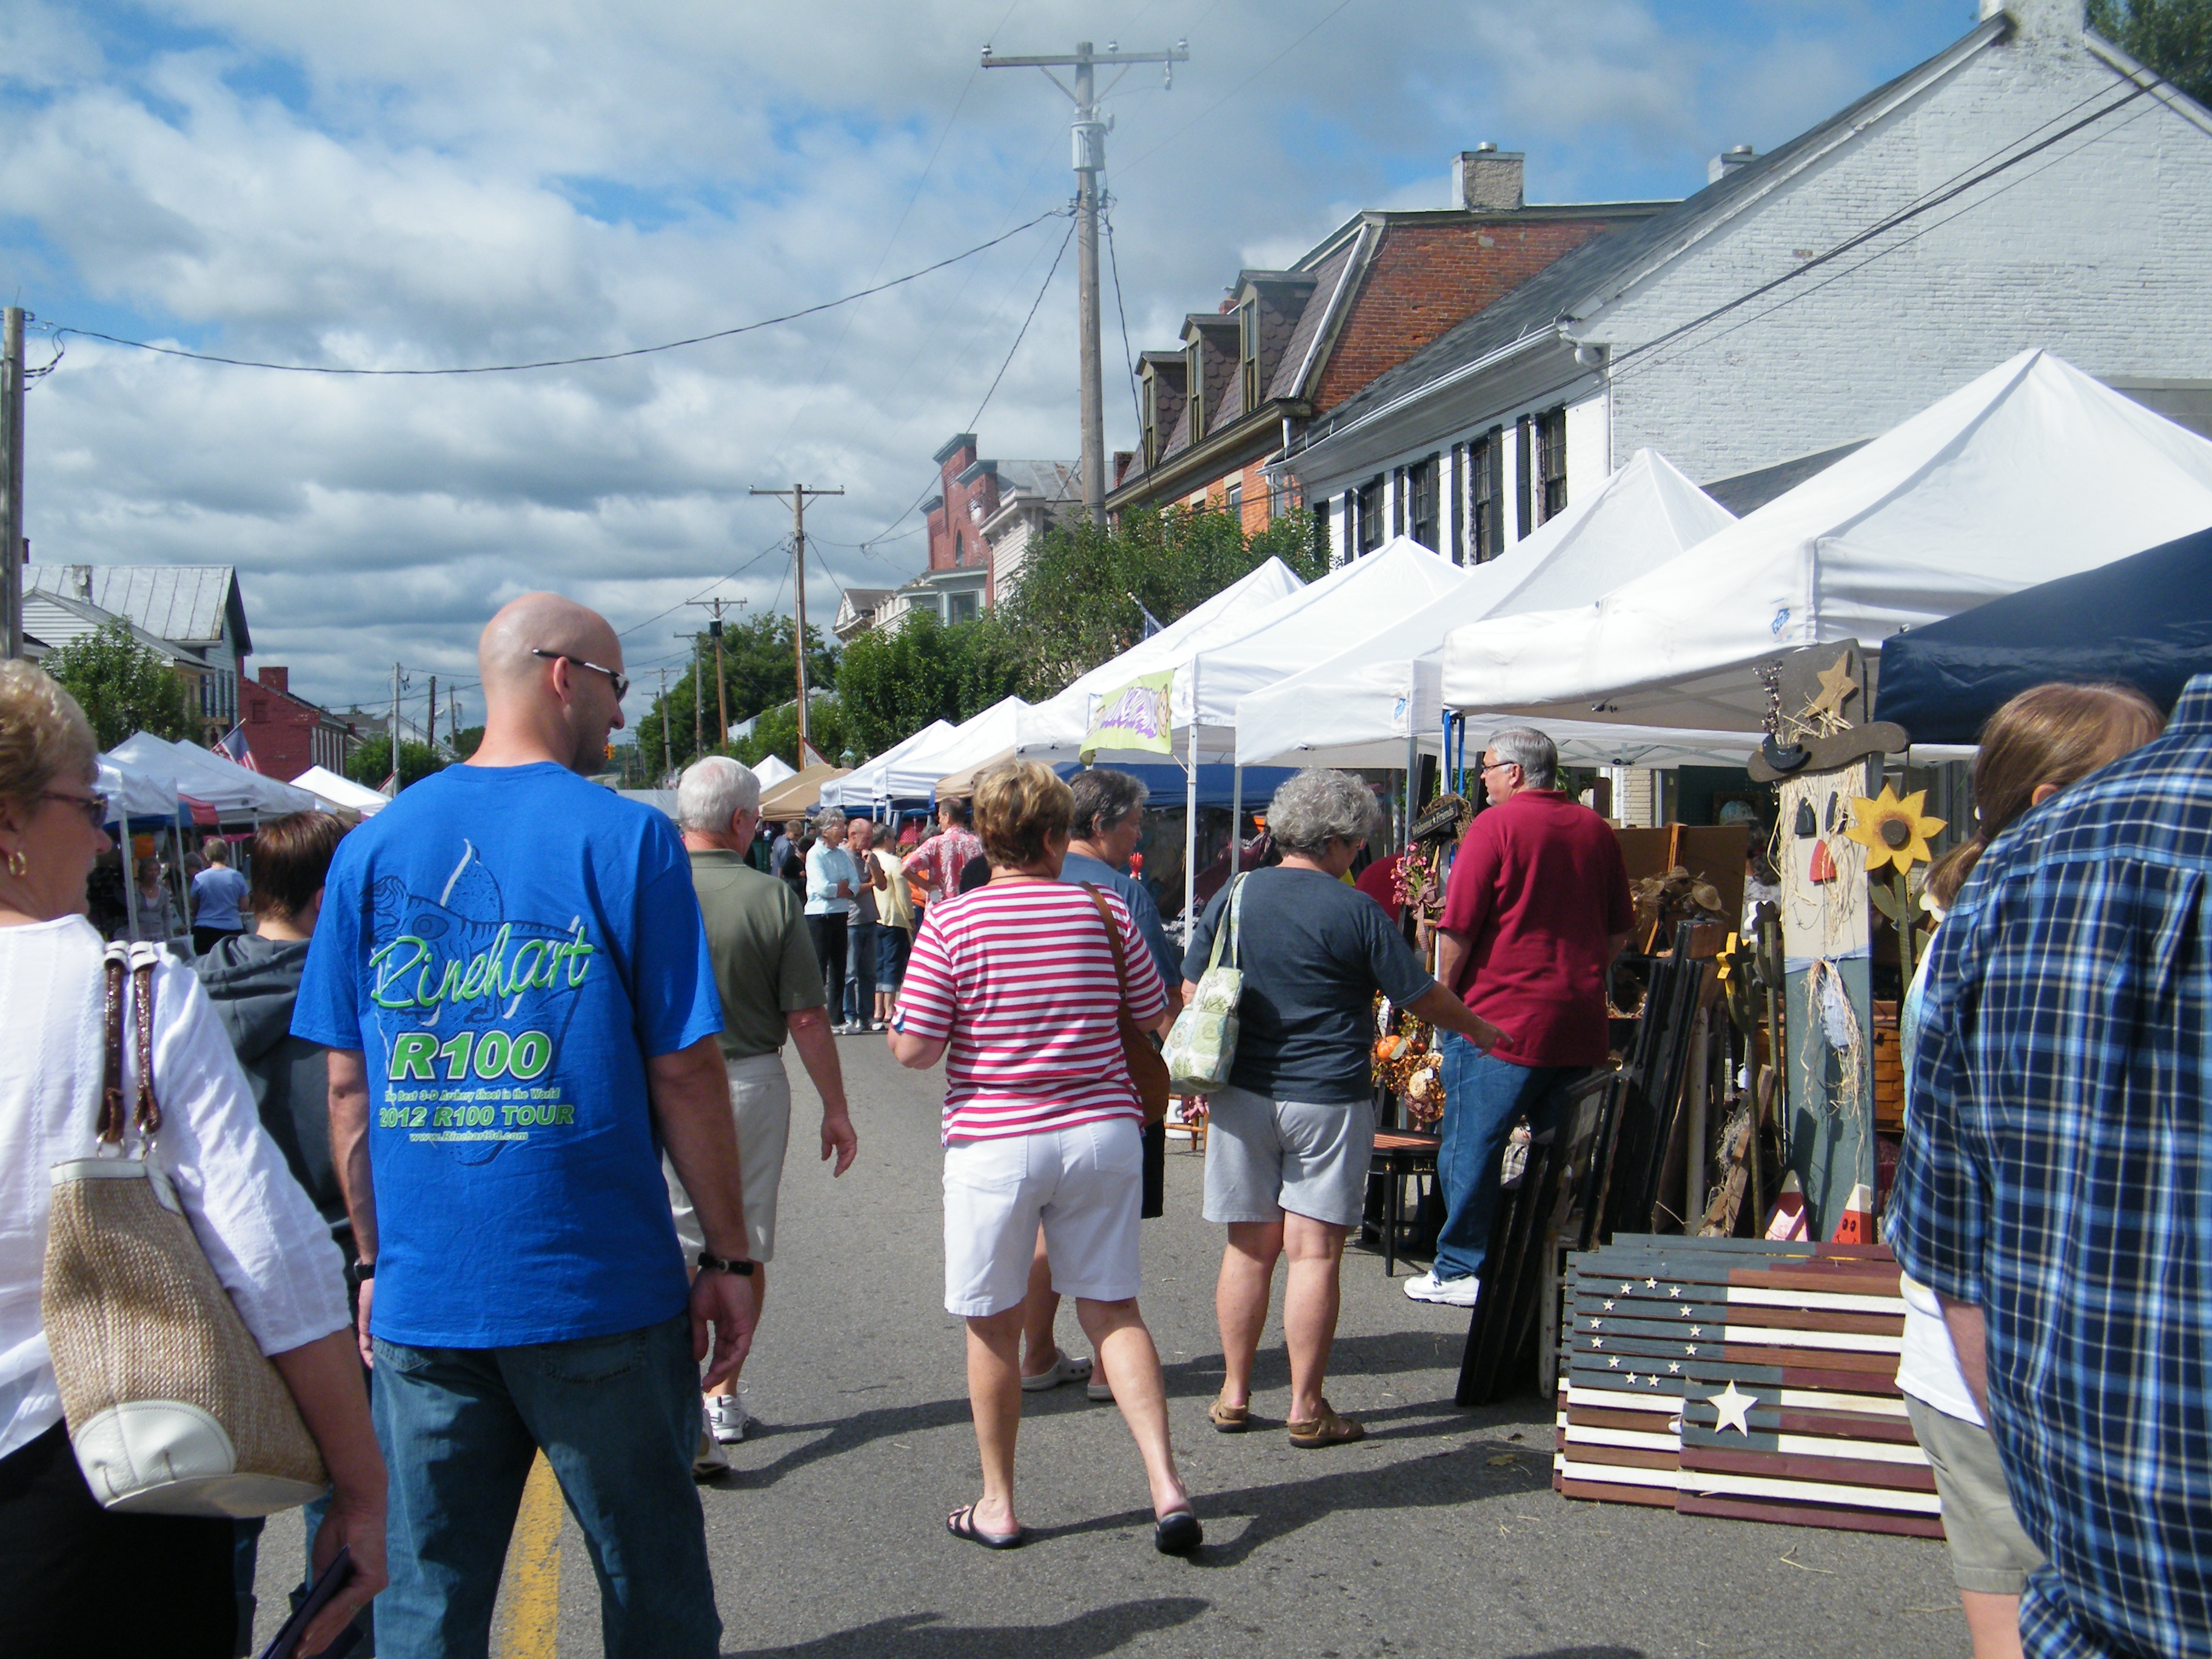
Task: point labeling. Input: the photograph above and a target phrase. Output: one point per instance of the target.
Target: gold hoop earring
(18, 865)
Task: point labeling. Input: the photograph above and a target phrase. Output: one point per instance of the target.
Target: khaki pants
(760, 1101)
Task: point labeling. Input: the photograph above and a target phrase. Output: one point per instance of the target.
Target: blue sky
(432, 184)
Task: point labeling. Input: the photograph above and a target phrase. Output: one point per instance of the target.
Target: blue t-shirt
(217, 891)
(508, 946)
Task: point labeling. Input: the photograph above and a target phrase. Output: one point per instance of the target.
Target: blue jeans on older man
(618, 1419)
(1483, 1097)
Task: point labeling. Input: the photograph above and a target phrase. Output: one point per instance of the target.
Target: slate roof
(1320, 304)
(185, 602)
(1056, 481)
(1595, 273)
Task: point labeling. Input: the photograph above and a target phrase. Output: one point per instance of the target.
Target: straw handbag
(171, 1408)
(1201, 1045)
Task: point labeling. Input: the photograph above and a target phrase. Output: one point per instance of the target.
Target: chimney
(276, 678)
(80, 579)
(1488, 180)
(1728, 161)
(2050, 19)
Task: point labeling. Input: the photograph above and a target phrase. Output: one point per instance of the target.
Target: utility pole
(430, 732)
(798, 494)
(698, 722)
(394, 744)
(722, 686)
(1090, 137)
(11, 483)
(667, 744)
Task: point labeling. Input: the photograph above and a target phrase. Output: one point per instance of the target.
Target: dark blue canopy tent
(2144, 620)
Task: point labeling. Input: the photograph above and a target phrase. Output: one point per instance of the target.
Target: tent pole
(1412, 776)
(130, 877)
(184, 905)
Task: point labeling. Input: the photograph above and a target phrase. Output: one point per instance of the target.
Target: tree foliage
(776, 733)
(760, 671)
(124, 687)
(2173, 37)
(892, 684)
(1077, 602)
(371, 764)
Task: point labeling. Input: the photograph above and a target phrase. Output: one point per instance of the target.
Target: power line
(565, 362)
(776, 546)
(885, 535)
(1128, 358)
(1131, 167)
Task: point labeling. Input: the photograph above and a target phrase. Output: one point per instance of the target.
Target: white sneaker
(1459, 1293)
(728, 1419)
(709, 1459)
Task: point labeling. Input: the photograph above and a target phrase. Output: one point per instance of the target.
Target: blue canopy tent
(2144, 620)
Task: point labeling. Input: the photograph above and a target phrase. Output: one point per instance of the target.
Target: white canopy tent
(864, 786)
(1363, 706)
(144, 788)
(774, 770)
(341, 791)
(983, 737)
(2033, 471)
(224, 785)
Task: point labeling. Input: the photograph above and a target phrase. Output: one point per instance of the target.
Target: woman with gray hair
(1289, 1140)
(62, 1555)
(832, 879)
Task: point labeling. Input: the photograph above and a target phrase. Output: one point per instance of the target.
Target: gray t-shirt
(1315, 952)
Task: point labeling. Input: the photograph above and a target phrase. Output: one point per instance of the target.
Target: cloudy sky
(480, 181)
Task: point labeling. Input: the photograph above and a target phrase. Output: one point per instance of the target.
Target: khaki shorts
(1989, 1550)
(1264, 1157)
(760, 1100)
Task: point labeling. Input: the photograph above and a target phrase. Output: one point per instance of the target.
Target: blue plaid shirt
(2058, 1172)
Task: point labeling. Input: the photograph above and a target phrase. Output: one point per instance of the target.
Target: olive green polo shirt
(764, 962)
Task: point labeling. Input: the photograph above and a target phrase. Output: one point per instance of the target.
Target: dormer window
(1195, 379)
(1247, 350)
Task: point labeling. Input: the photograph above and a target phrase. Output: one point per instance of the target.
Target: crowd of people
(482, 1126)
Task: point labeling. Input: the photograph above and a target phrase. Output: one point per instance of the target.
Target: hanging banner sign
(1134, 717)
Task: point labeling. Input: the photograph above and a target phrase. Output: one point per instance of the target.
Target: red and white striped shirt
(1017, 977)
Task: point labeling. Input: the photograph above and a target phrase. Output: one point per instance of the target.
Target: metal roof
(61, 619)
(189, 604)
(1595, 273)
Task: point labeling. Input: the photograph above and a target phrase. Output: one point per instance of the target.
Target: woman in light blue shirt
(832, 878)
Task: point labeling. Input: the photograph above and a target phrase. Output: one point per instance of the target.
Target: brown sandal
(1227, 1418)
(1326, 1430)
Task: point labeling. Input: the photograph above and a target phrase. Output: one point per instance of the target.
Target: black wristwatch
(362, 1272)
(724, 1264)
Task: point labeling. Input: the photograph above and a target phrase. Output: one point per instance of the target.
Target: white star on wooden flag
(1615, 1361)
(1632, 1379)
(1597, 1342)
(1735, 1408)
(1625, 1289)
(1686, 1307)
(1650, 1284)
(1697, 1330)
(1595, 1323)
(1608, 1306)
(1676, 1292)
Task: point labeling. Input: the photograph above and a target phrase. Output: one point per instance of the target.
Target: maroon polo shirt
(1539, 889)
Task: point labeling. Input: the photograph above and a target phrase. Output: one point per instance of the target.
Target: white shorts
(1083, 1184)
(760, 1101)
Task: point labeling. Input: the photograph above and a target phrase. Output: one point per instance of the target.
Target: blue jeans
(861, 970)
(618, 1418)
(1483, 1096)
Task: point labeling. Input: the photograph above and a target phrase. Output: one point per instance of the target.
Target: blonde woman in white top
(77, 1579)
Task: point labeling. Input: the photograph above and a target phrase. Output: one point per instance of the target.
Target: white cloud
(438, 182)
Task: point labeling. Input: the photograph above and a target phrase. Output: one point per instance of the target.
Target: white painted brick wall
(2099, 249)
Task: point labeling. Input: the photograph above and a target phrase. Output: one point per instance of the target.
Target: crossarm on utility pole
(798, 494)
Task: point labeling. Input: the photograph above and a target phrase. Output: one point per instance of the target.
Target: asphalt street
(1439, 1534)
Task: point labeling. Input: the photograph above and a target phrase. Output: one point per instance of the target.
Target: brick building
(288, 733)
(979, 506)
(1288, 346)
(2098, 246)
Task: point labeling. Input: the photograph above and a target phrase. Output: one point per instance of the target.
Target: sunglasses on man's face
(621, 682)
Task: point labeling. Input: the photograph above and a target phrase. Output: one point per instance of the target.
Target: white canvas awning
(2033, 471)
(213, 782)
(342, 791)
(864, 785)
(138, 790)
(774, 770)
(1361, 706)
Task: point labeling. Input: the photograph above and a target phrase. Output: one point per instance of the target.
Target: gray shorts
(760, 1100)
(1989, 1550)
(1264, 1157)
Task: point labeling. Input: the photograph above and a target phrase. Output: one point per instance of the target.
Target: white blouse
(268, 1247)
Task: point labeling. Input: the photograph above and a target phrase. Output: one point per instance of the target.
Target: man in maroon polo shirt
(1536, 909)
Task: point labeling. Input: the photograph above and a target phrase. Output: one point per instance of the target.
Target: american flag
(236, 747)
(1741, 1378)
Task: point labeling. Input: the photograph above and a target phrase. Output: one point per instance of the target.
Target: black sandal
(961, 1523)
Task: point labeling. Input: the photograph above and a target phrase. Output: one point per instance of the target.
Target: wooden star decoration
(1837, 688)
(1735, 1408)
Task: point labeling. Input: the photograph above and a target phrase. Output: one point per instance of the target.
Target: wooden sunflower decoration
(1893, 830)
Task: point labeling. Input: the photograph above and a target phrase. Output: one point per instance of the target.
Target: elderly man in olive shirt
(771, 988)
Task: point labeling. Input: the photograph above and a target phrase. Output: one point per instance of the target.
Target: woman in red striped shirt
(1015, 984)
